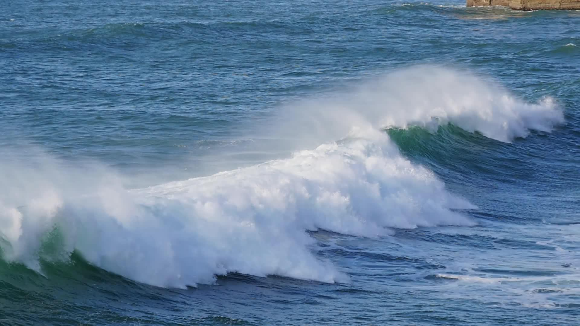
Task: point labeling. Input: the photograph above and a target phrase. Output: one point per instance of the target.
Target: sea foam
(424, 96)
(254, 220)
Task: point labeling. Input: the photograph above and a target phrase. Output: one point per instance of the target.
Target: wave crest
(424, 96)
(253, 220)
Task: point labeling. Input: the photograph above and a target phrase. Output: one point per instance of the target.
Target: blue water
(288, 162)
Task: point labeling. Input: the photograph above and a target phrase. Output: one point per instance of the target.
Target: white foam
(250, 220)
(425, 96)
(253, 220)
(473, 279)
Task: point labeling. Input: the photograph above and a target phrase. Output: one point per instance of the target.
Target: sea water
(288, 162)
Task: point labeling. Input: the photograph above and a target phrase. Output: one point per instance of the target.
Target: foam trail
(253, 220)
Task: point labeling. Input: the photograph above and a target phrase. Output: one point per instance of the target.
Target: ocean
(288, 163)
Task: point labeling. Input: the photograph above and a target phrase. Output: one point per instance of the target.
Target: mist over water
(199, 164)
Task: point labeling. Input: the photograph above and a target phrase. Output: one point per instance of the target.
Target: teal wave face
(518, 176)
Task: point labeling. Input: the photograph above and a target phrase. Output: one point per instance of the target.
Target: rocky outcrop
(528, 4)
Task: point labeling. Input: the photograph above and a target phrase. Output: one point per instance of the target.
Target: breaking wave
(254, 220)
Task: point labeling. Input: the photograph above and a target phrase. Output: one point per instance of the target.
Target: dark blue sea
(260, 162)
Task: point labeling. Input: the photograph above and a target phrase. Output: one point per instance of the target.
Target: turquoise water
(277, 162)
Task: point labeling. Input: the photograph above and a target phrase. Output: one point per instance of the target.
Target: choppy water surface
(288, 162)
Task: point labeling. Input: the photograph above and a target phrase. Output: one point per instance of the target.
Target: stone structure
(528, 4)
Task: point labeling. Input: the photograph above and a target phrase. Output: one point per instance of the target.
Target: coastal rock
(528, 4)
